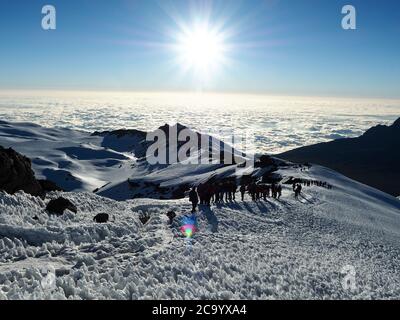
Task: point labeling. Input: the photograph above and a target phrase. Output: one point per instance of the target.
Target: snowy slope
(294, 249)
(74, 160)
(111, 163)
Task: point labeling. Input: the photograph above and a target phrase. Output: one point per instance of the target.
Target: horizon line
(191, 92)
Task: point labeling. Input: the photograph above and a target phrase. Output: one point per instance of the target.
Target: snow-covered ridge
(72, 159)
(111, 163)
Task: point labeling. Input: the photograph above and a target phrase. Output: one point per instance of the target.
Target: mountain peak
(178, 126)
(396, 124)
(382, 130)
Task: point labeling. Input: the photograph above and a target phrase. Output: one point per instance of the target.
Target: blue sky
(283, 47)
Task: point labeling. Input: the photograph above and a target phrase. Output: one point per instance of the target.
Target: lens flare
(189, 226)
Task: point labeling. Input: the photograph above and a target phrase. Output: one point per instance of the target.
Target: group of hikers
(262, 190)
(225, 191)
(317, 183)
(217, 192)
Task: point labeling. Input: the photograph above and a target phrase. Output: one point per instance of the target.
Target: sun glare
(201, 50)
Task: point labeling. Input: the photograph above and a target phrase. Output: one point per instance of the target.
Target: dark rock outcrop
(101, 218)
(16, 174)
(59, 205)
(49, 186)
(171, 215)
(372, 158)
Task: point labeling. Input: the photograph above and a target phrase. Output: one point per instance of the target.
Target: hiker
(252, 191)
(216, 189)
(242, 191)
(279, 190)
(221, 192)
(264, 192)
(200, 192)
(299, 188)
(260, 190)
(268, 190)
(297, 191)
(233, 188)
(193, 198)
(228, 194)
(212, 193)
(229, 190)
(274, 193)
(208, 195)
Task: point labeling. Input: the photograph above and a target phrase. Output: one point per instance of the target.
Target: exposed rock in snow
(16, 173)
(59, 205)
(101, 217)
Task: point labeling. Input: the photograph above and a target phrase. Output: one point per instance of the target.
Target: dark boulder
(171, 215)
(49, 186)
(101, 218)
(16, 174)
(58, 206)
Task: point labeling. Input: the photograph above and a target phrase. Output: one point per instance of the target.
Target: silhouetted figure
(193, 198)
(225, 188)
(229, 190)
(221, 192)
(212, 192)
(273, 190)
(242, 191)
(279, 190)
(264, 191)
(234, 188)
(252, 191)
(258, 191)
(200, 192)
(217, 191)
(297, 191)
(207, 194)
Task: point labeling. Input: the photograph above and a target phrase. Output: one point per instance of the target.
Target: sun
(202, 50)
